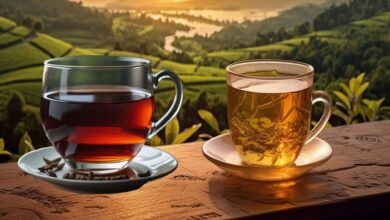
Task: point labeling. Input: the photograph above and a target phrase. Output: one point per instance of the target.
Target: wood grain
(358, 172)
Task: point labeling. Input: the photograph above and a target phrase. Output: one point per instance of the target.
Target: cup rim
(310, 68)
(132, 62)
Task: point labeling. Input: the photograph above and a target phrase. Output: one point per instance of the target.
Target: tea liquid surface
(97, 124)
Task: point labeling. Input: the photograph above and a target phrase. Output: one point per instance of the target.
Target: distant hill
(207, 4)
(336, 35)
(240, 34)
(23, 51)
(64, 18)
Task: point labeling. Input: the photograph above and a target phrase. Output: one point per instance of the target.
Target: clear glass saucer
(153, 161)
(222, 152)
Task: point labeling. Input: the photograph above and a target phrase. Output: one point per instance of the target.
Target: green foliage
(280, 47)
(173, 134)
(21, 31)
(230, 55)
(206, 70)
(350, 104)
(347, 12)
(209, 118)
(153, 59)
(17, 121)
(143, 34)
(7, 38)
(6, 24)
(80, 52)
(52, 45)
(21, 55)
(239, 35)
(373, 109)
(31, 90)
(178, 67)
(99, 51)
(4, 154)
(172, 131)
(25, 145)
(186, 134)
(26, 74)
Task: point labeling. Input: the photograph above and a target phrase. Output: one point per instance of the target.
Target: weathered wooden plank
(358, 171)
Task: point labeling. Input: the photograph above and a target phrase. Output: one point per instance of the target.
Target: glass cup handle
(321, 96)
(175, 107)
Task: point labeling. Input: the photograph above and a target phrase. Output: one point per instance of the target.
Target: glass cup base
(98, 168)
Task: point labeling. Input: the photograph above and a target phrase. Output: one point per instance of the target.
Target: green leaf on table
(172, 130)
(209, 118)
(187, 133)
(25, 144)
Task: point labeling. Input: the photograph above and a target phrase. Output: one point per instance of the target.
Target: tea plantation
(336, 36)
(23, 51)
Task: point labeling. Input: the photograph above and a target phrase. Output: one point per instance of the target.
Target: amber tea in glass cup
(269, 110)
(97, 111)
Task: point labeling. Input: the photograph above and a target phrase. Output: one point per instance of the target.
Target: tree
(38, 26)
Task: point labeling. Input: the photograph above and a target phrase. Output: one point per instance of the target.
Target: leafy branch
(24, 146)
(350, 104)
(173, 134)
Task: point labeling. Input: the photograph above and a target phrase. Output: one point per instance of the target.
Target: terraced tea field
(334, 36)
(22, 53)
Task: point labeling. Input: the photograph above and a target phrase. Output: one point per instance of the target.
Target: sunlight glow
(179, 1)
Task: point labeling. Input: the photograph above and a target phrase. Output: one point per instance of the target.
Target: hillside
(338, 54)
(23, 51)
(337, 35)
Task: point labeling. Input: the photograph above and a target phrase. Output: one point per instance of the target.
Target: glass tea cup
(269, 110)
(97, 111)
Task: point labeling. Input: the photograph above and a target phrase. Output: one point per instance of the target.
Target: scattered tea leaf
(47, 161)
(51, 173)
(90, 176)
(59, 167)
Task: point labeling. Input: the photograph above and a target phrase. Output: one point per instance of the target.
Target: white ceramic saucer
(222, 152)
(149, 160)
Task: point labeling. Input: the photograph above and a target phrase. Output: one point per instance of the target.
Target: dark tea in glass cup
(97, 111)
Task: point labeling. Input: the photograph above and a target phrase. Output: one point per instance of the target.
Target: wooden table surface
(355, 180)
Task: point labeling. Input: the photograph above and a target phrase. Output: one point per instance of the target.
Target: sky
(178, 4)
